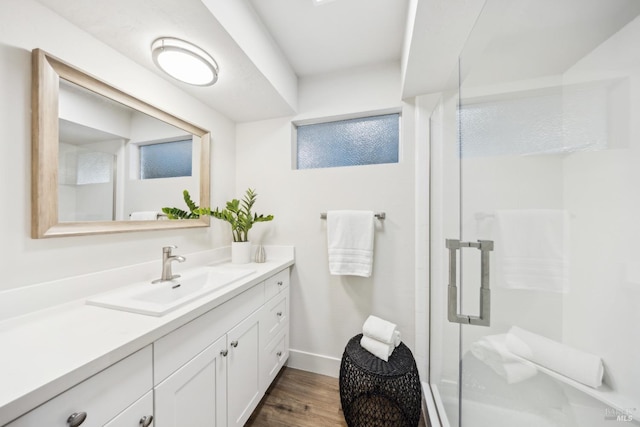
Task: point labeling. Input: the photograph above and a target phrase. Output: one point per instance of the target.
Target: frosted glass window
(567, 120)
(165, 160)
(362, 141)
(95, 168)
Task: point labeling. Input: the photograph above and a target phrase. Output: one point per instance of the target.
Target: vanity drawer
(275, 317)
(136, 415)
(102, 397)
(276, 284)
(275, 356)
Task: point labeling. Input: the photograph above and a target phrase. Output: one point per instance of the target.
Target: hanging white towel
(381, 330)
(350, 242)
(532, 249)
(578, 365)
(144, 216)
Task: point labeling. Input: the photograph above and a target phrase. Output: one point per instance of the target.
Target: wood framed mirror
(88, 173)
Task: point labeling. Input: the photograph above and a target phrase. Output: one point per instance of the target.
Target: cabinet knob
(146, 421)
(234, 344)
(76, 419)
(224, 353)
(279, 354)
(280, 283)
(279, 314)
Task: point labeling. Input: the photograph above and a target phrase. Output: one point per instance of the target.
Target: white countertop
(45, 353)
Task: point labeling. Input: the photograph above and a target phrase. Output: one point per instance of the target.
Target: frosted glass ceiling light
(184, 61)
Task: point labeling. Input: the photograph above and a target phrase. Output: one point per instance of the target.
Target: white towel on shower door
(532, 249)
(350, 242)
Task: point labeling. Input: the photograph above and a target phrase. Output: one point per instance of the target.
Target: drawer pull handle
(279, 354)
(279, 314)
(280, 283)
(76, 419)
(234, 344)
(224, 353)
(146, 421)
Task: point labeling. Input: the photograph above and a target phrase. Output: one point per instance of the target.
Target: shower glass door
(540, 151)
(444, 337)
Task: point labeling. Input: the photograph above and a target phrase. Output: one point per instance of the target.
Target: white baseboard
(316, 363)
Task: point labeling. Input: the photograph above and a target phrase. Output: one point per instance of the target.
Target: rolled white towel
(493, 347)
(578, 365)
(381, 330)
(397, 338)
(377, 348)
(144, 216)
(492, 350)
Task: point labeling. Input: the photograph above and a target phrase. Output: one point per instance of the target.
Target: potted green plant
(238, 213)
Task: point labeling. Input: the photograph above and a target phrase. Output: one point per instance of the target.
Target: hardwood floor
(300, 399)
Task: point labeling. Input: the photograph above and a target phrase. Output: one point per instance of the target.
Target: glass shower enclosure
(535, 207)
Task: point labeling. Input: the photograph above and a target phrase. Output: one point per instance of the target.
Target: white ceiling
(264, 46)
(333, 36)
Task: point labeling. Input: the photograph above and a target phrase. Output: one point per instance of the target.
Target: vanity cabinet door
(243, 370)
(195, 394)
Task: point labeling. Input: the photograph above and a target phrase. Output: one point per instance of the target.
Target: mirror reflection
(116, 163)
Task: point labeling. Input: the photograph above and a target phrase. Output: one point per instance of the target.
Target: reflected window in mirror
(166, 159)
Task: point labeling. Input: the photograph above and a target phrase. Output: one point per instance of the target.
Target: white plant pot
(240, 252)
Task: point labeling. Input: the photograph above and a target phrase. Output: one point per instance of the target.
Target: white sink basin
(157, 299)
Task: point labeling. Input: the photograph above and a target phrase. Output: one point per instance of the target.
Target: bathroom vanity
(208, 362)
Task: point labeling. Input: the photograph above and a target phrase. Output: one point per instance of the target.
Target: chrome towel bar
(379, 215)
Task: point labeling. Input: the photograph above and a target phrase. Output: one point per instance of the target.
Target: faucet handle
(167, 249)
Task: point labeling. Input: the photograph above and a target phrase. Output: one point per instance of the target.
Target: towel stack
(380, 337)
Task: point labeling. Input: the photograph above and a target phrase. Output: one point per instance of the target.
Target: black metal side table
(375, 393)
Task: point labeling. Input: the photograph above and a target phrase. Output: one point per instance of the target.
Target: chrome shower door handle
(485, 247)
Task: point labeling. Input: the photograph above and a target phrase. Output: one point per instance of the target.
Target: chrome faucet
(167, 259)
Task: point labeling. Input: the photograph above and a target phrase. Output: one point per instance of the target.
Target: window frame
(136, 157)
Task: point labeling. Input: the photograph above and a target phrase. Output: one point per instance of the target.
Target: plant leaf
(175, 213)
(187, 199)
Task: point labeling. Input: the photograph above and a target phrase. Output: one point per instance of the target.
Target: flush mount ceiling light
(184, 61)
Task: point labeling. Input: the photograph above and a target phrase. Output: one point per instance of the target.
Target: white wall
(602, 312)
(328, 310)
(25, 25)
